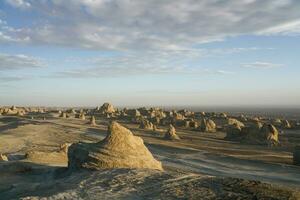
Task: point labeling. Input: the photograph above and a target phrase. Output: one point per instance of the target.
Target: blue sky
(130, 52)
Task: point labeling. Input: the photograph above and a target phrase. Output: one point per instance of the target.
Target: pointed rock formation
(82, 116)
(120, 149)
(286, 124)
(93, 121)
(171, 133)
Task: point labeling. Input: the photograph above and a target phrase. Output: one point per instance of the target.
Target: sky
(150, 52)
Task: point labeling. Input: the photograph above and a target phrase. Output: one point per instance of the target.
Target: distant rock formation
(255, 133)
(232, 121)
(207, 125)
(120, 149)
(223, 115)
(286, 124)
(296, 155)
(82, 116)
(233, 131)
(277, 122)
(63, 115)
(171, 133)
(93, 121)
(146, 124)
(3, 157)
(106, 108)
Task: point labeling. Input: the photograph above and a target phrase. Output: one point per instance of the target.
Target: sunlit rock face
(256, 133)
(120, 149)
(171, 133)
(207, 125)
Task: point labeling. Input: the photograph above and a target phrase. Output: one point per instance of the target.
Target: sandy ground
(197, 163)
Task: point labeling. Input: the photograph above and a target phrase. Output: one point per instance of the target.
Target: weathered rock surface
(208, 125)
(93, 121)
(232, 121)
(107, 108)
(120, 149)
(255, 133)
(146, 124)
(171, 133)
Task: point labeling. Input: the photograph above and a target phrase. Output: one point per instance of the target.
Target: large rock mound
(256, 133)
(120, 149)
(107, 108)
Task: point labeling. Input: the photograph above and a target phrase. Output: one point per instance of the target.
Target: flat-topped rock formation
(120, 149)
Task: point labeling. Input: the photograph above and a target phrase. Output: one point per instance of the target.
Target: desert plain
(146, 153)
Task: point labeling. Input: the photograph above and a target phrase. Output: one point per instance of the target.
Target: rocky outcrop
(106, 108)
(286, 124)
(63, 115)
(233, 132)
(171, 133)
(93, 121)
(207, 125)
(232, 121)
(269, 134)
(82, 116)
(146, 124)
(120, 149)
(256, 133)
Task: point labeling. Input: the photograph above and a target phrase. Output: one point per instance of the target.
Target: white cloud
(152, 24)
(23, 4)
(261, 65)
(17, 62)
(289, 28)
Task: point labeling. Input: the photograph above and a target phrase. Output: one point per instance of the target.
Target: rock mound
(171, 134)
(120, 149)
(107, 108)
(208, 125)
(255, 133)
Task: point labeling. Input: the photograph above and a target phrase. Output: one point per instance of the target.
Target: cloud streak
(262, 65)
(18, 62)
